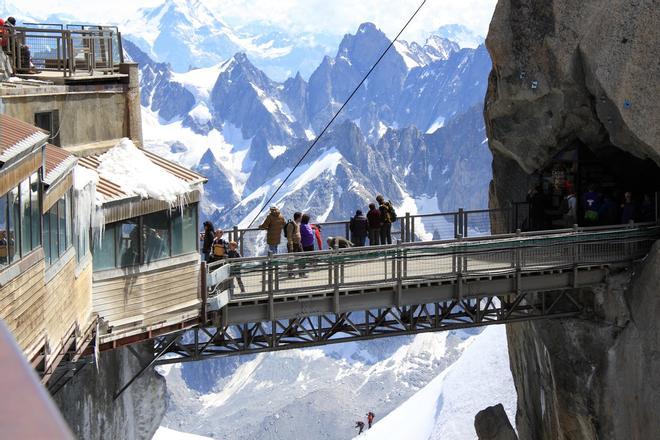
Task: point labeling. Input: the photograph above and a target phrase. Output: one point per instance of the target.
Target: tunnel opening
(594, 187)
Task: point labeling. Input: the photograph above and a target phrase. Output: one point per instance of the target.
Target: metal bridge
(316, 298)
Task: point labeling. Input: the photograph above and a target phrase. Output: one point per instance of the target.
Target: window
(4, 252)
(156, 235)
(129, 243)
(149, 238)
(57, 229)
(105, 252)
(184, 231)
(26, 217)
(49, 121)
(13, 226)
(35, 205)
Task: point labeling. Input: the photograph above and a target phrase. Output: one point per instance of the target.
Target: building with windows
(98, 238)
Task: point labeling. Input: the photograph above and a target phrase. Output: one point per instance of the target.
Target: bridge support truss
(323, 329)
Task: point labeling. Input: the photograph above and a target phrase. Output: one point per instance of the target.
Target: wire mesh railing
(52, 47)
(415, 261)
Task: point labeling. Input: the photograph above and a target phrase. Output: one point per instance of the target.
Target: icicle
(89, 212)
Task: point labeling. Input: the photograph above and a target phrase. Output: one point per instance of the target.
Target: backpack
(219, 250)
(286, 228)
(391, 213)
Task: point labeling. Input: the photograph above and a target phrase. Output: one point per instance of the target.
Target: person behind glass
(628, 209)
(206, 237)
(359, 228)
(373, 218)
(218, 247)
(235, 275)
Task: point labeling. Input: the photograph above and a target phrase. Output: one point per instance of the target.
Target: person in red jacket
(317, 235)
(370, 418)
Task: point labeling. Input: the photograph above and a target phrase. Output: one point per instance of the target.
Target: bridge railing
(407, 228)
(404, 262)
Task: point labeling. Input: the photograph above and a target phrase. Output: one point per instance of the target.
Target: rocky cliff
(585, 72)
(87, 400)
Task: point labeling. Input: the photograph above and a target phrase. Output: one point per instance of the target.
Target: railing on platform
(408, 228)
(369, 266)
(49, 47)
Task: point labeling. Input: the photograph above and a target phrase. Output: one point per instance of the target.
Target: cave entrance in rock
(605, 174)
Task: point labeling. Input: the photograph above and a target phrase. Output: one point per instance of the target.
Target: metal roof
(58, 163)
(17, 136)
(111, 191)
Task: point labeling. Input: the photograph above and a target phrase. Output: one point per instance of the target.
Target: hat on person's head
(358, 212)
(11, 20)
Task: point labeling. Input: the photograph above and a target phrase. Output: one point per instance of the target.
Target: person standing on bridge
(373, 218)
(235, 273)
(307, 235)
(359, 228)
(219, 247)
(292, 234)
(387, 217)
(273, 224)
(206, 237)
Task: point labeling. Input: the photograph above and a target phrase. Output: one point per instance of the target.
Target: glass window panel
(104, 252)
(61, 215)
(156, 236)
(184, 231)
(129, 243)
(36, 210)
(26, 215)
(4, 252)
(54, 232)
(13, 228)
(47, 248)
(67, 201)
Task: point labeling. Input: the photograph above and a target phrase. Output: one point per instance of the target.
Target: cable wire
(337, 113)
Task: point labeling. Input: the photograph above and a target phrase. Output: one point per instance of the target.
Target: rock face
(87, 401)
(493, 424)
(569, 72)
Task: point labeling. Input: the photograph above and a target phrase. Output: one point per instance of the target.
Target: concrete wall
(86, 115)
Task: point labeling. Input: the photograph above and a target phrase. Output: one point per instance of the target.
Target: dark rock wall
(566, 72)
(87, 401)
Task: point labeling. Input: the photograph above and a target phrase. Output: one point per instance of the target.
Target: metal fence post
(204, 291)
(271, 300)
(406, 228)
(335, 276)
(460, 226)
(412, 228)
(398, 273)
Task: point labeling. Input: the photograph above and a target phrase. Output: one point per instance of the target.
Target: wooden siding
(122, 210)
(16, 173)
(136, 303)
(56, 192)
(39, 313)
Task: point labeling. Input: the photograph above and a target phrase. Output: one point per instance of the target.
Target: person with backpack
(359, 425)
(339, 243)
(374, 222)
(292, 234)
(370, 418)
(218, 247)
(359, 228)
(273, 224)
(387, 217)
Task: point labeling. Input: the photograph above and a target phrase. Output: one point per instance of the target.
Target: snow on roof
(126, 171)
(58, 163)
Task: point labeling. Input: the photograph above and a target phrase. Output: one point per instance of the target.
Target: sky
(336, 17)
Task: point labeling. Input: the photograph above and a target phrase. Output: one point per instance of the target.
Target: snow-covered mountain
(187, 34)
(320, 392)
(414, 131)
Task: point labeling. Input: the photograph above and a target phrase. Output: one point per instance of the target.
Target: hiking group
(360, 424)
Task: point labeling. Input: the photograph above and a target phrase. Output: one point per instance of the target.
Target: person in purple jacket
(306, 234)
